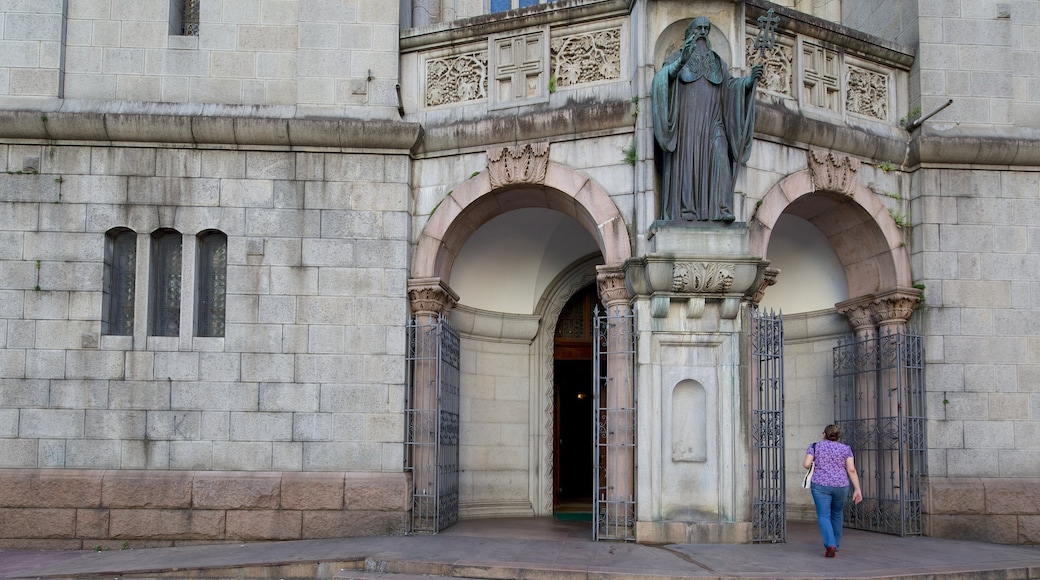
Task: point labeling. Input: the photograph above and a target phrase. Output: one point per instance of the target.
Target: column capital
(895, 306)
(431, 297)
(610, 281)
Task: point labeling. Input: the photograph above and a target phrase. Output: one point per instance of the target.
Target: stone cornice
(528, 124)
(198, 129)
(791, 127)
(991, 145)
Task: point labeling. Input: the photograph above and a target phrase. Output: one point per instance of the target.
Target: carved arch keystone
(833, 172)
(518, 164)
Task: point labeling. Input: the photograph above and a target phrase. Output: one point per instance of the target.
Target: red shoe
(831, 551)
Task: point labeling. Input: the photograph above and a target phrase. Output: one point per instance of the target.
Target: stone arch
(476, 201)
(866, 238)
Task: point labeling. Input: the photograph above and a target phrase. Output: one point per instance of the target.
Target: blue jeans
(830, 505)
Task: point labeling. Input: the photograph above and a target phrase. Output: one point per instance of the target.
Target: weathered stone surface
(947, 496)
(37, 523)
(92, 523)
(976, 528)
(346, 524)
(1019, 496)
(166, 524)
(264, 525)
(47, 488)
(312, 491)
(367, 492)
(236, 490)
(146, 489)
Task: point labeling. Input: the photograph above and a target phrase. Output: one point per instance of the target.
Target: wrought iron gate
(768, 481)
(614, 425)
(879, 398)
(432, 423)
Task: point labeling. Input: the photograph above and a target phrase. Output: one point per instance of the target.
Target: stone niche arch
(509, 184)
(858, 226)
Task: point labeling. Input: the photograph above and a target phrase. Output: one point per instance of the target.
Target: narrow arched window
(118, 286)
(164, 312)
(211, 281)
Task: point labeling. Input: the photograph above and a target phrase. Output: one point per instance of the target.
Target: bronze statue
(704, 121)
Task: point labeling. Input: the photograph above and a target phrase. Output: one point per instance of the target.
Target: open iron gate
(432, 424)
(768, 480)
(614, 426)
(879, 399)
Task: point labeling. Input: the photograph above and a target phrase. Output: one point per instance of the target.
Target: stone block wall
(31, 49)
(322, 57)
(977, 254)
(1002, 511)
(309, 375)
(983, 55)
(78, 509)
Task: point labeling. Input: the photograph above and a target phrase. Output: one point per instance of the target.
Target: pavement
(540, 549)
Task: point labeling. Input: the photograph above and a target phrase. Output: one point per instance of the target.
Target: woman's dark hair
(832, 433)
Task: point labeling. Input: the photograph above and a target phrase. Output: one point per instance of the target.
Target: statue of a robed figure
(704, 121)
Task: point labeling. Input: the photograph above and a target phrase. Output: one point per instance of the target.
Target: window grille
(211, 278)
(184, 17)
(503, 5)
(119, 282)
(165, 303)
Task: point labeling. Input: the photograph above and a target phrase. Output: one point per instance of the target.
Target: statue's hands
(757, 71)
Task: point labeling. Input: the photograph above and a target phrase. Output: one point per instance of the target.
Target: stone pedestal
(691, 291)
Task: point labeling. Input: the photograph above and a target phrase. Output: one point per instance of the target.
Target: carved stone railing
(519, 66)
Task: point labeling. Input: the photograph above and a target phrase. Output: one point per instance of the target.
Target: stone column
(620, 415)
(431, 300)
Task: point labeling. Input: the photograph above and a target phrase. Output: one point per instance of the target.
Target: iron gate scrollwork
(614, 426)
(432, 424)
(768, 479)
(879, 399)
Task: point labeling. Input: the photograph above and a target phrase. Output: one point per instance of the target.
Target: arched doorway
(572, 407)
(844, 267)
(507, 417)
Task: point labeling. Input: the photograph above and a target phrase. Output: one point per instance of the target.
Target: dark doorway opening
(573, 438)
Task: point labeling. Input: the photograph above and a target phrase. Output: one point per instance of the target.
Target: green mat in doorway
(573, 516)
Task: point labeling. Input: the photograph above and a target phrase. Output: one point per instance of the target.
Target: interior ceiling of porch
(507, 264)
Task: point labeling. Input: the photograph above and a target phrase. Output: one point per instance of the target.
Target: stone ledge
(198, 129)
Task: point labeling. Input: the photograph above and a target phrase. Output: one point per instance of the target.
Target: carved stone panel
(866, 92)
(456, 79)
(519, 67)
(778, 64)
(702, 277)
(586, 57)
(820, 77)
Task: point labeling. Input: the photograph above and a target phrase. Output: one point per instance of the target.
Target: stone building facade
(222, 219)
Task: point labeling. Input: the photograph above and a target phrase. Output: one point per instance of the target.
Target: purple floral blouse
(830, 459)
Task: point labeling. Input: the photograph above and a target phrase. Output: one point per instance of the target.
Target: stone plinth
(689, 292)
(74, 509)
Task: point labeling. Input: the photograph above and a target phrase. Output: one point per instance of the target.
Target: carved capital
(431, 297)
(833, 172)
(768, 279)
(702, 277)
(859, 314)
(895, 307)
(611, 284)
(519, 164)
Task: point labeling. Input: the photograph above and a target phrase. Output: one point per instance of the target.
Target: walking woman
(835, 471)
